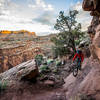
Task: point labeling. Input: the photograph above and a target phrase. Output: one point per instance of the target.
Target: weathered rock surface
(27, 70)
(94, 23)
(87, 82)
(72, 84)
(94, 29)
(10, 57)
(21, 48)
(90, 84)
(93, 6)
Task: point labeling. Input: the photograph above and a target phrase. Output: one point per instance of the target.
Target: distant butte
(17, 32)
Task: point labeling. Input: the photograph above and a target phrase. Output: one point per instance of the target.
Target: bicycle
(75, 68)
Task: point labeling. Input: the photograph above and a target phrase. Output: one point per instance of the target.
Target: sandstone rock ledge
(86, 83)
(27, 70)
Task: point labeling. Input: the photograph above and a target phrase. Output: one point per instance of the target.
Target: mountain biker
(80, 57)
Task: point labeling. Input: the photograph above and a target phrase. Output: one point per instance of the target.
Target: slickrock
(87, 82)
(27, 70)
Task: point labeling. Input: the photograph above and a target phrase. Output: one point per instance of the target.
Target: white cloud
(15, 17)
(49, 8)
(15, 23)
(47, 18)
(83, 17)
(3, 9)
(38, 17)
(78, 6)
(40, 4)
(33, 27)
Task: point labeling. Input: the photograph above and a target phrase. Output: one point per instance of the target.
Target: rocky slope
(21, 86)
(19, 48)
(87, 83)
(12, 56)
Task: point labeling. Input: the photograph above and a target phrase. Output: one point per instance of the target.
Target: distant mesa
(17, 32)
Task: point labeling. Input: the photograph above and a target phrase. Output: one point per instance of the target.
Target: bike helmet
(79, 51)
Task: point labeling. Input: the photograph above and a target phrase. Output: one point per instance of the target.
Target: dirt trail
(30, 91)
(35, 91)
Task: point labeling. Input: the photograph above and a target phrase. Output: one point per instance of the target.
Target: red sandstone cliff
(12, 56)
(88, 81)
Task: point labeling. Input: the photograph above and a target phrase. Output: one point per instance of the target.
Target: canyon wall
(94, 29)
(12, 56)
(87, 83)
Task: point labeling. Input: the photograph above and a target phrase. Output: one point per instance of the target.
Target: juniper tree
(70, 31)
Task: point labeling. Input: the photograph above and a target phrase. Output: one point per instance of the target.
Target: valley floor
(25, 90)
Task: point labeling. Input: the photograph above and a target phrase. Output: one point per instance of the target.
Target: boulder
(49, 82)
(88, 5)
(27, 70)
(93, 6)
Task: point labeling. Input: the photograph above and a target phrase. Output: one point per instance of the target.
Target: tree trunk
(73, 43)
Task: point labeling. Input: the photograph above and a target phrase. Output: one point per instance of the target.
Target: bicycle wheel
(75, 71)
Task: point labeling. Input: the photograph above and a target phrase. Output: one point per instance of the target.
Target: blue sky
(38, 15)
(62, 4)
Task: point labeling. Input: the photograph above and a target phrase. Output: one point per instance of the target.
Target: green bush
(39, 59)
(50, 61)
(43, 68)
(3, 85)
(54, 70)
(58, 63)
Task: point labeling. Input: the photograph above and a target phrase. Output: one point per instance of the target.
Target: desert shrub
(39, 59)
(43, 68)
(3, 86)
(58, 63)
(50, 61)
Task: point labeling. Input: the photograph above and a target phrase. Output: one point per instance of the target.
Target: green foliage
(55, 70)
(77, 42)
(60, 51)
(67, 23)
(70, 33)
(58, 63)
(39, 59)
(43, 68)
(49, 61)
(3, 86)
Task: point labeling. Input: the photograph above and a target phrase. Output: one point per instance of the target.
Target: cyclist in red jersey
(80, 57)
